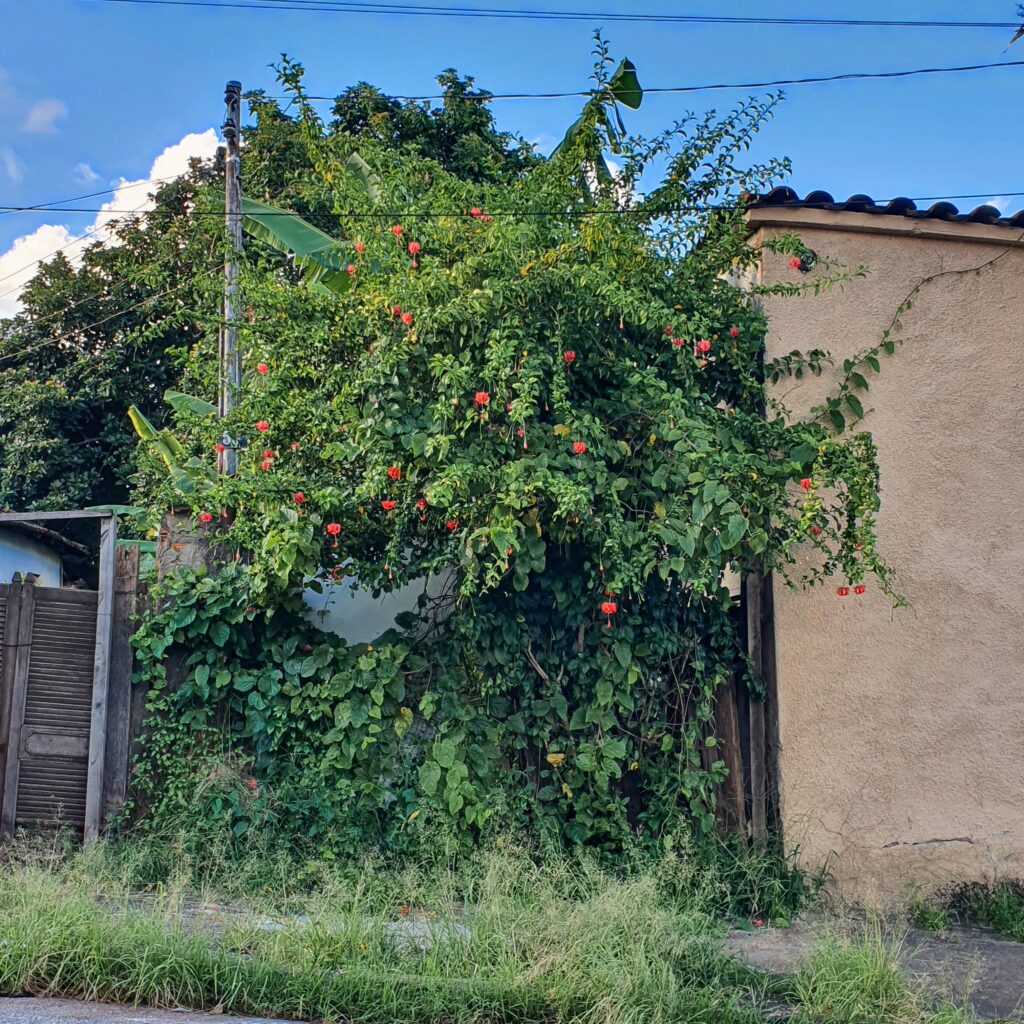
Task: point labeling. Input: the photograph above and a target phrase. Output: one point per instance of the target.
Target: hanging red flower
(294, 446)
(421, 504)
(333, 529)
(520, 432)
(807, 483)
(734, 332)
(794, 262)
(414, 248)
(815, 531)
(678, 342)
(388, 504)
(300, 497)
(268, 453)
(396, 230)
(351, 268)
(608, 609)
(262, 425)
(481, 398)
(475, 212)
(569, 356)
(452, 524)
(205, 517)
(218, 448)
(407, 319)
(262, 369)
(842, 591)
(703, 346)
(359, 247)
(395, 310)
(267, 464)
(394, 472)
(669, 331)
(859, 589)
(579, 447)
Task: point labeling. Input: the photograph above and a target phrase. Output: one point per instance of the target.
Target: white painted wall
(20, 553)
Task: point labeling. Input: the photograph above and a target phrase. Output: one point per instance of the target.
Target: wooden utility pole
(230, 364)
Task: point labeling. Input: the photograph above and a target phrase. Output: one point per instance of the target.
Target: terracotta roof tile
(900, 207)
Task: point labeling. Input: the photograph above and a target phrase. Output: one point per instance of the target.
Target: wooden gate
(50, 650)
(66, 704)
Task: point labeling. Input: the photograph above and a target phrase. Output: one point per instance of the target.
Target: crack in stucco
(929, 842)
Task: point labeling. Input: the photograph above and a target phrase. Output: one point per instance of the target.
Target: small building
(900, 734)
(28, 548)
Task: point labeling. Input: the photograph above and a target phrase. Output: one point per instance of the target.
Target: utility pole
(230, 364)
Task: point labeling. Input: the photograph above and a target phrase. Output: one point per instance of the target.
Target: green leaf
(219, 633)
(855, 407)
(623, 655)
(734, 532)
(625, 86)
(189, 403)
(430, 775)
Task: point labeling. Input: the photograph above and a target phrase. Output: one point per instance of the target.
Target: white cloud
(18, 264)
(13, 167)
(1001, 203)
(21, 259)
(85, 175)
(43, 117)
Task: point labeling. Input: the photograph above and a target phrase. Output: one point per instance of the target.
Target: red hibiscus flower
(267, 464)
(452, 524)
(414, 248)
(262, 425)
(394, 472)
(388, 504)
(218, 448)
(205, 517)
(475, 212)
(333, 529)
(396, 230)
(807, 483)
(569, 356)
(481, 398)
(734, 332)
(262, 369)
(421, 504)
(703, 346)
(407, 319)
(300, 497)
(359, 247)
(794, 262)
(579, 447)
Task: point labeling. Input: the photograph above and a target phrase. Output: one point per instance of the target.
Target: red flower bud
(300, 497)
(395, 310)
(333, 529)
(262, 368)
(414, 248)
(407, 319)
(703, 346)
(669, 332)
(421, 504)
(394, 472)
(205, 517)
(679, 342)
(579, 447)
(351, 268)
(388, 504)
(452, 524)
(815, 531)
(807, 483)
(794, 262)
(262, 425)
(520, 432)
(734, 332)
(569, 356)
(481, 398)
(396, 230)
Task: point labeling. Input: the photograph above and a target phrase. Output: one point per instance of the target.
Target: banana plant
(189, 474)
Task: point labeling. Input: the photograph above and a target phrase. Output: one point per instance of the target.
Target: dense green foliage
(116, 329)
(543, 394)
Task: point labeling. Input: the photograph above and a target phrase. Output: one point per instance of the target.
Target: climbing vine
(540, 400)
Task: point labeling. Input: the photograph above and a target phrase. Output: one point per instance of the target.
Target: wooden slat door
(51, 697)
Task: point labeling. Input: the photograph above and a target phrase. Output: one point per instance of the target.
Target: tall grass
(514, 937)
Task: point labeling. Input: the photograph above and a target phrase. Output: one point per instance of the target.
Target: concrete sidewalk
(24, 1010)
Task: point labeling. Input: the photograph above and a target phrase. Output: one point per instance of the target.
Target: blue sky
(91, 93)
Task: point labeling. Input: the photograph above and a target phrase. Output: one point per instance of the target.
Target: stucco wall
(902, 734)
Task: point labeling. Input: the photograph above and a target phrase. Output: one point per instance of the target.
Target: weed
(1000, 907)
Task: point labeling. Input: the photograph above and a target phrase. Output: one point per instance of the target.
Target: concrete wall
(902, 734)
(19, 553)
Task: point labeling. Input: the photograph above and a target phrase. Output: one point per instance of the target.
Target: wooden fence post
(119, 695)
(752, 592)
(727, 729)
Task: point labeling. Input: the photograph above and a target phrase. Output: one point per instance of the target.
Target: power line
(848, 76)
(4, 356)
(56, 203)
(397, 215)
(534, 14)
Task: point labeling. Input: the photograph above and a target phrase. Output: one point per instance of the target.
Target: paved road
(65, 1011)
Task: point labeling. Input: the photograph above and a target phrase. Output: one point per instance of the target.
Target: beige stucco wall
(902, 734)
